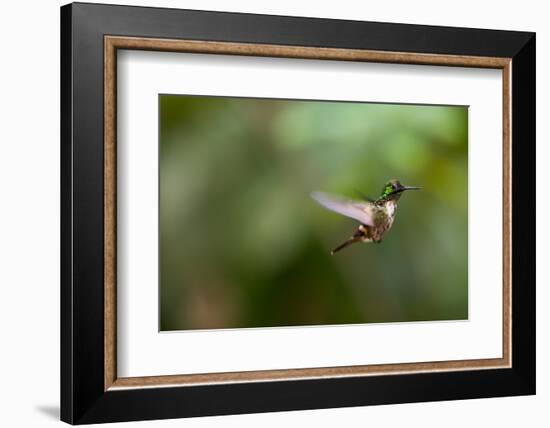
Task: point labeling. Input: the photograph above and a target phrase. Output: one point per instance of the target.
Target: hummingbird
(375, 216)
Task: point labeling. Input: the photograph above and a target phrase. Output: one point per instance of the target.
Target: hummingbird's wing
(358, 210)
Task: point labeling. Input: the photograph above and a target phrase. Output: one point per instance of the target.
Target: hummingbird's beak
(403, 188)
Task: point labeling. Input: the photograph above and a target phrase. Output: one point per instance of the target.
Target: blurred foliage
(242, 244)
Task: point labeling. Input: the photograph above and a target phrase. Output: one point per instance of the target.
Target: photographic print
(323, 201)
(279, 213)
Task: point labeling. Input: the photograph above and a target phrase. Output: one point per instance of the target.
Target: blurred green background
(242, 244)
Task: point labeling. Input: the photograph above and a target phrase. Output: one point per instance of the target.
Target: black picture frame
(83, 396)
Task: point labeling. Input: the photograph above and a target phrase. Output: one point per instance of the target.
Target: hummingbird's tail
(350, 241)
(357, 237)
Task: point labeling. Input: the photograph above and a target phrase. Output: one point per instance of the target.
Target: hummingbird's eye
(394, 186)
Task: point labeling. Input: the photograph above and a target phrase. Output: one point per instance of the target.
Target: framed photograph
(266, 213)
